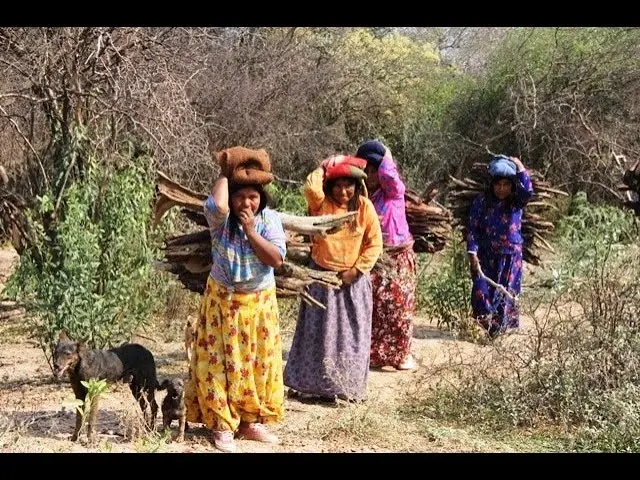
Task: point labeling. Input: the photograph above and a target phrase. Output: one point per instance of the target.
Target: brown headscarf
(245, 166)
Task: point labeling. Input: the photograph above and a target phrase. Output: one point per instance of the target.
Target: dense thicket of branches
(114, 83)
(564, 99)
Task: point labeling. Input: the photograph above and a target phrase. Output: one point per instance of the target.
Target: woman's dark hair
(354, 203)
(265, 200)
(510, 201)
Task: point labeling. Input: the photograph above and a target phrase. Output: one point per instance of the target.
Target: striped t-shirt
(234, 263)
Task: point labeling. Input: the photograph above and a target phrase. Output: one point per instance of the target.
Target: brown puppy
(173, 407)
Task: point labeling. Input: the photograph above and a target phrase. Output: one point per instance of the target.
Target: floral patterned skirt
(493, 310)
(236, 370)
(393, 307)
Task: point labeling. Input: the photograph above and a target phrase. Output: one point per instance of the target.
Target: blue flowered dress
(494, 233)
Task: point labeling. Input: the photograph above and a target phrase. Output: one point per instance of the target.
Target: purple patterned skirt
(329, 355)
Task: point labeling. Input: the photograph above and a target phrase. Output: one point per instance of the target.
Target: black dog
(173, 407)
(129, 362)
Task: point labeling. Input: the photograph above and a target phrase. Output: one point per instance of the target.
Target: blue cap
(371, 151)
(501, 166)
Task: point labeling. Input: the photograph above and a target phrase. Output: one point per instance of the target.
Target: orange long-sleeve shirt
(357, 245)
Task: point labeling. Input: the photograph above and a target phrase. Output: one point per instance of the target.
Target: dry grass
(38, 419)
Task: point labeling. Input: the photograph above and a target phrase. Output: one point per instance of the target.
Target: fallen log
(8, 305)
(12, 314)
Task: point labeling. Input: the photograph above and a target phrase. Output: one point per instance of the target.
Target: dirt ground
(36, 414)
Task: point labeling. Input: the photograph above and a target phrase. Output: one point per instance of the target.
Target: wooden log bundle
(429, 222)
(536, 226)
(188, 256)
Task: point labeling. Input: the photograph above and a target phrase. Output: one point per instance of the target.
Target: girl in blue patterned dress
(494, 244)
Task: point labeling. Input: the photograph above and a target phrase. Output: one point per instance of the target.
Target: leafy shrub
(91, 273)
(444, 294)
(287, 199)
(576, 369)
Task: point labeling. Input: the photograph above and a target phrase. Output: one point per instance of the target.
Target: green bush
(444, 293)
(576, 370)
(604, 224)
(90, 272)
(587, 234)
(287, 199)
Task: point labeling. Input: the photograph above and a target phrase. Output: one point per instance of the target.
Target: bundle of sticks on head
(536, 223)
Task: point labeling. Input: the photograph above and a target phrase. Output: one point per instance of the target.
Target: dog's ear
(164, 384)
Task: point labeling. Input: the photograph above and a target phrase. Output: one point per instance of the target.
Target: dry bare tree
(115, 83)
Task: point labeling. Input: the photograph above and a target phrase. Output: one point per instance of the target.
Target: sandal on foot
(223, 441)
(408, 364)
(257, 432)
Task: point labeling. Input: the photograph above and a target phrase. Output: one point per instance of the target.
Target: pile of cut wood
(429, 222)
(188, 256)
(536, 227)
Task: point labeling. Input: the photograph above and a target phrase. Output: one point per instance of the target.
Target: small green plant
(445, 293)
(95, 389)
(153, 441)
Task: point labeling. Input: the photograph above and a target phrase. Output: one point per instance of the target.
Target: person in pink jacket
(393, 288)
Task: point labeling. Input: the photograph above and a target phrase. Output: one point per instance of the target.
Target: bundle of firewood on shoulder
(536, 226)
(631, 186)
(429, 222)
(188, 256)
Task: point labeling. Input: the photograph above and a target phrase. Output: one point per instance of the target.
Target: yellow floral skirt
(236, 369)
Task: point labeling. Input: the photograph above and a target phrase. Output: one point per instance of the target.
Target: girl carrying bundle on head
(494, 244)
(329, 356)
(235, 375)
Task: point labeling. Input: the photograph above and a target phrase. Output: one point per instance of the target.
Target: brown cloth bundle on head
(245, 166)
